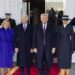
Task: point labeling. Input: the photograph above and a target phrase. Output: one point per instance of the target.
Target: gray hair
(44, 14)
(25, 16)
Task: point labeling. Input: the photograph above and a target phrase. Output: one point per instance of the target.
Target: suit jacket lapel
(46, 28)
(23, 28)
(41, 29)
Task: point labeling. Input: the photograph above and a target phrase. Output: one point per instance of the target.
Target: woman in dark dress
(6, 47)
(65, 46)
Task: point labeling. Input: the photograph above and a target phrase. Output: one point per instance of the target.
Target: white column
(7, 6)
(2, 6)
(24, 8)
(16, 9)
(69, 8)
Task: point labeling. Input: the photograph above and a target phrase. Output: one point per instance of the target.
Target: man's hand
(32, 51)
(35, 50)
(16, 50)
(53, 50)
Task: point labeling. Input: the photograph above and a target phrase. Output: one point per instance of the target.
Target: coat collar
(23, 28)
(41, 27)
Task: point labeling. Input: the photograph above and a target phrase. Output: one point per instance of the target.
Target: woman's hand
(16, 50)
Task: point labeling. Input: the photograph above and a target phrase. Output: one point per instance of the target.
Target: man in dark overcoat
(23, 44)
(44, 44)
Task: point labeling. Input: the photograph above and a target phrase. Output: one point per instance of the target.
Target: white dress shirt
(25, 26)
(45, 26)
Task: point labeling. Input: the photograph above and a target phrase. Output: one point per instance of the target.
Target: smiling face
(44, 18)
(65, 22)
(6, 24)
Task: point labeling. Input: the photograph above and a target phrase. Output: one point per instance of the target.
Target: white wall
(11, 6)
(69, 7)
(2, 7)
(24, 8)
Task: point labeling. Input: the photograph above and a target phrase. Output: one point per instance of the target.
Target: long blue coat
(65, 45)
(6, 47)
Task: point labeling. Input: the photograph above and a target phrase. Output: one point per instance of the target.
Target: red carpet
(34, 71)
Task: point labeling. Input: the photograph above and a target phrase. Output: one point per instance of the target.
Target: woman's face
(65, 22)
(6, 25)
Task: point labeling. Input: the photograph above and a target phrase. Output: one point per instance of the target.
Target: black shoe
(47, 72)
(40, 72)
(22, 73)
(28, 73)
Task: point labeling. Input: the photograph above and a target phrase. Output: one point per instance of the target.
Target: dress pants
(22, 71)
(41, 70)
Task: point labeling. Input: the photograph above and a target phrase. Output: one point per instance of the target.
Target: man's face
(24, 20)
(8, 16)
(44, 19)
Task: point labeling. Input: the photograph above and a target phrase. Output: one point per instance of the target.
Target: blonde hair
(3, 23)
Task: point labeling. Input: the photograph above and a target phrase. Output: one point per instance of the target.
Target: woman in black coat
(65, 46)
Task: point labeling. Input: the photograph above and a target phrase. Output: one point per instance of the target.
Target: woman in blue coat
(6, 47)
(65, 46)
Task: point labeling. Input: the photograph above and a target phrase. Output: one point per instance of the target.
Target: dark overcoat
(65, 45)
(23, 41)
(38, 42)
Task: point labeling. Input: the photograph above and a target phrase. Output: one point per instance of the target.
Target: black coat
(38, 42)
(65, 45)
(12, 23)
(23, 41)
(72, 22)
(1, 21)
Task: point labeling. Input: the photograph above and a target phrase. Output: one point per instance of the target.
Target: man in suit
(44, 44)
(12, 21)
(23, 44)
